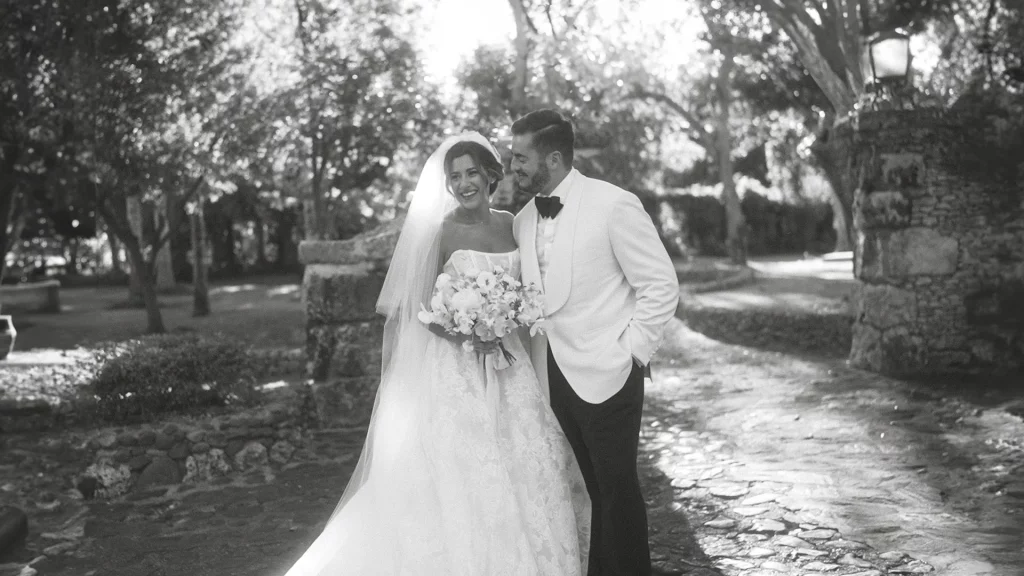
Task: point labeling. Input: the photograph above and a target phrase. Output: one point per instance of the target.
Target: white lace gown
(488, 485)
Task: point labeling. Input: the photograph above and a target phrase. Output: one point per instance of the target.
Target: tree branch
(703, 137)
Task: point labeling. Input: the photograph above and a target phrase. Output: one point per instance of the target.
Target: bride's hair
(482, 157)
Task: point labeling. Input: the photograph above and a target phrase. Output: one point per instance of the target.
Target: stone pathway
(790, 466)
(754, 463)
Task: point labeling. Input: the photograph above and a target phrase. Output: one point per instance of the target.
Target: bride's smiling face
(468, 184)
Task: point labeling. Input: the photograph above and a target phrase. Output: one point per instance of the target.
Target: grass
(264, 312)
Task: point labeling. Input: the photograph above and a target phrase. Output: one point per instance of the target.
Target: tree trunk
(144, 272)
(517, 106)
(9, 201)
(200, 286)
(287, 252)
(260, 230)
(833, 156)
(164, 266)
(136, 299)
(116, 264)
(736, 224)
(70, 256)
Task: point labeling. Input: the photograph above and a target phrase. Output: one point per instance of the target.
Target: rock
(810, 552)
(28, 571)
(851, 560)
(281, 452)
(216, 439)
(730, 492)
(845, 545)
(163, 441)
(820, 566)
(773, 565)
(179, 451)
(792, 542)
(196, 436)
(868, 573)
(818, 534)
(161, 471)
(1015, 490)
(58, 549)
(912, 567)
(893, 556)
(750, 511)
(251, 455)
(87, 486)
(172, 430)
(737, 564)
(147, 438)
(683, 483)
(711, 473)
(234, 447)
(111, 480)
(13, 528)
(768, 526)
(721, 523)
(206, 467)
(139, 462)
(759, 499)
(106, 440)
(760, 552)
(127, 439)
(200, 448)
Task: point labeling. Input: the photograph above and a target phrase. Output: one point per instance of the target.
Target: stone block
(375, 245)
(345, 401)
(905, 253)
(339, 294)
(345, 351)
(866, 347)
(884, 210)
(901, 170)
(884, 306)
(161, 471)
(998, 306)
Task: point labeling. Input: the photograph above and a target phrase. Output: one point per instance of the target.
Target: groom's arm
(648, 269)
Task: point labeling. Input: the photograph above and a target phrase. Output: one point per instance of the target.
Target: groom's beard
(537, 182)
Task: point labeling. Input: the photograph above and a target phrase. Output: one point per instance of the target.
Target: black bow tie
(548, 206)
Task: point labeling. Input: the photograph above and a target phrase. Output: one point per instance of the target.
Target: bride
(465, 470)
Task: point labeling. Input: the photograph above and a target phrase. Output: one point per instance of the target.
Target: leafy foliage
(158, 374)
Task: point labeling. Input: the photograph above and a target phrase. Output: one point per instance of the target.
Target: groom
(610, 288)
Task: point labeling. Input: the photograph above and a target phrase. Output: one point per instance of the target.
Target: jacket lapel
(558, 280)
(528, 245)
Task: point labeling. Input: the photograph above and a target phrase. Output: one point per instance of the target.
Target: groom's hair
(551, 132)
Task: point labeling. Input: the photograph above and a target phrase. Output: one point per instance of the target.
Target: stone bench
(31, 297)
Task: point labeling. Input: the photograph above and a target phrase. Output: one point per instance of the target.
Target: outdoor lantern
(887, 58)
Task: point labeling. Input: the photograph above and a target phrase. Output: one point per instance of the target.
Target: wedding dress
(479, 480)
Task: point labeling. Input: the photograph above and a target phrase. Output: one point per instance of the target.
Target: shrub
(140, 378)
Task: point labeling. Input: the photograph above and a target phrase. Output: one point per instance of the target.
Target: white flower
(509, 280)
(443, 281)
(466, 301)
(485, 280)
(539, 326)
(467, 345)
(437, 302)
(425, 315)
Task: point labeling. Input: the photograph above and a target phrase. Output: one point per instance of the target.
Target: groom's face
(530, 173)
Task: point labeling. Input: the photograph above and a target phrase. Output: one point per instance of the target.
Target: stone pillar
(341, 284)
(940, 247)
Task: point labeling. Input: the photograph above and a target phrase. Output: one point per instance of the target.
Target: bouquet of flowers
(486, 304)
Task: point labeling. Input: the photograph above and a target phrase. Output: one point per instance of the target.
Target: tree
(360, 98)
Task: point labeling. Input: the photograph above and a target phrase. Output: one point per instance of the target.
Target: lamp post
(886, 64)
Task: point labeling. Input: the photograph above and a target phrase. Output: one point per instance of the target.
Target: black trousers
(605, 438)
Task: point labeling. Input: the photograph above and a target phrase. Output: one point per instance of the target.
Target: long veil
(391, 431)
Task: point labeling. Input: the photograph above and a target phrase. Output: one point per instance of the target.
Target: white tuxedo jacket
(609, 290)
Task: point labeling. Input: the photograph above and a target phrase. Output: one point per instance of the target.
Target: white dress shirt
(546, 227)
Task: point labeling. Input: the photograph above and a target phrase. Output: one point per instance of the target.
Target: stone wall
(939, 212)
(343, 331)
